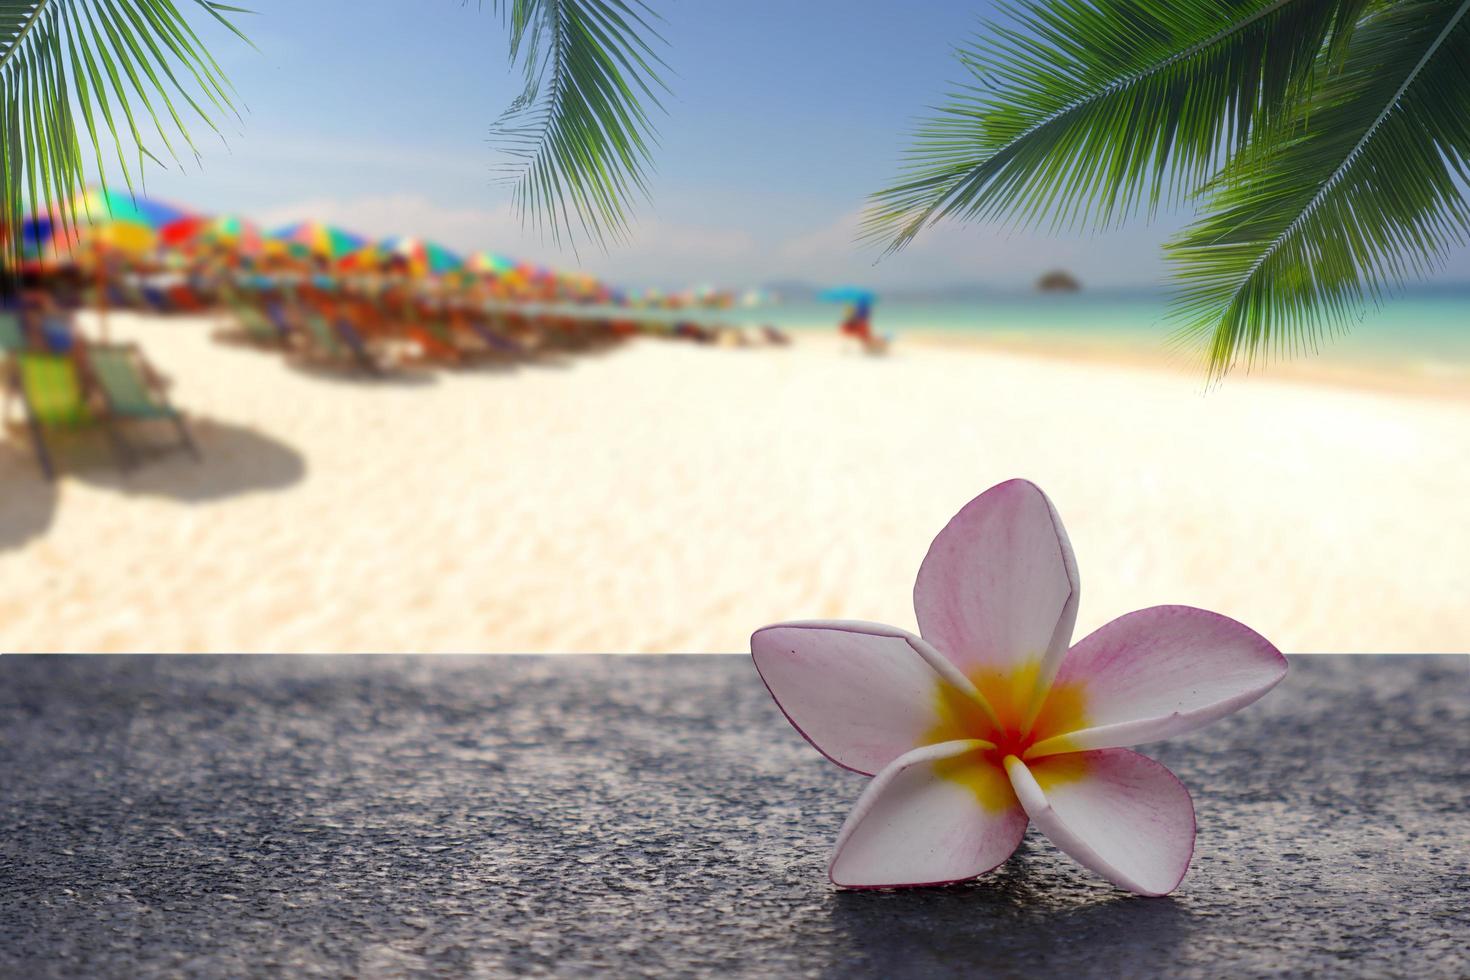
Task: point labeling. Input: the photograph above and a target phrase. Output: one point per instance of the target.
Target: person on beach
(858, 325)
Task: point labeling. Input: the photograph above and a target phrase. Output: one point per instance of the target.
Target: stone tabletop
(492, 816)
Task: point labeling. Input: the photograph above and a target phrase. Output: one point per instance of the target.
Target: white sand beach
(668, 497)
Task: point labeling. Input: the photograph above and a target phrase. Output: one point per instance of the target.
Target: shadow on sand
(27, 499)
(236, 460)
(403, 377)
(1008, 923)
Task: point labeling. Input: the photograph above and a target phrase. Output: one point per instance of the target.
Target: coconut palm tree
(1324, 143)
(112, 61)
(81, 80)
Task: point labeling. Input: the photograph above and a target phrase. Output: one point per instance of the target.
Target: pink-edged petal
(861, 693)
(999, 586)
(1115, 812)
(1158, 672)
(933, 816)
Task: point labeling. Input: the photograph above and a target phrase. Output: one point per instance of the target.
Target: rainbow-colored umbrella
(423, 258)
(224, 231)
(371, 256)
(113, 207)
(110, 218)
(312, 238)
(489, 264)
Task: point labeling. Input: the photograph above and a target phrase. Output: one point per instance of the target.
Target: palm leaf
(580, 130)
(1366, 189)
(117, 61)
(1082, 111)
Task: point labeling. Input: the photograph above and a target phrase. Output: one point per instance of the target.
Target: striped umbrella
(312, 238)
(489, 264)
(423, 258)
(110, 218)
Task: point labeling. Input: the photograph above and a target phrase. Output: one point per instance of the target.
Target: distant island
(1058, 281)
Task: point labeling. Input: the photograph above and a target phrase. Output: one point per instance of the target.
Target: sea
(1424, 330)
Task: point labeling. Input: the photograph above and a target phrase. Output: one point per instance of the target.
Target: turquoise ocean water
(1425, 330)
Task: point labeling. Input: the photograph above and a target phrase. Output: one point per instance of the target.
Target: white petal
(862, 694)
(1159, 672)
(999, 586)
(936, 815)
(1115, 812)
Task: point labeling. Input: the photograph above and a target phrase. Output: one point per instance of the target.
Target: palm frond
(581, 130)
(1082, 111)
(1365, 189)
(117, 61)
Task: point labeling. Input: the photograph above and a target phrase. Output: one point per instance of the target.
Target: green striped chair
(258, 327)
(129, 394)
(338, 341)
(12, 335)
(51, 390)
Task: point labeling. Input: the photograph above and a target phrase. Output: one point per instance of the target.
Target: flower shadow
(1018, 920)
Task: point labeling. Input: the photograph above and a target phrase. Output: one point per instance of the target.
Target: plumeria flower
(988, 720)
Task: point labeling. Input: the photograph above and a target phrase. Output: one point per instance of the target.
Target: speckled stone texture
(636, 815)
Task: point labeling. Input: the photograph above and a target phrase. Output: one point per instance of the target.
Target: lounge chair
(51, 390)
(338, 340)
(12, 333)
(281, 319)
(132, 393)
(12, 341)
(258, 326)
(495, 341)
(436, 341)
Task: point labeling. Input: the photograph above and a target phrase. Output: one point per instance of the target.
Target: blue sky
(784, 115)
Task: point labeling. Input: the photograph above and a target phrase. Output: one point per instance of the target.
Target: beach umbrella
(847, 294)
(423, 258)
(233, 231)
(312, 238)
(97, 206)
(366, 259)
(184, 232)
(107, 218)
(489, 263)
(221, 231)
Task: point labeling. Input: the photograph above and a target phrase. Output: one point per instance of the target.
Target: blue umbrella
(847, 294)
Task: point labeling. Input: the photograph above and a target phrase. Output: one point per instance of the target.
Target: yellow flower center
(1013, 723)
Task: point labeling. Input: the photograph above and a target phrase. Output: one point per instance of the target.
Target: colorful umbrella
(489, 263)
(110, 218)
(370, 256)
(225, 231)
(102, 207)
(312, 238)
(423, 258)
(185, 231)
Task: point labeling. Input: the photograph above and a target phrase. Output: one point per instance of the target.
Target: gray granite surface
(657, 816)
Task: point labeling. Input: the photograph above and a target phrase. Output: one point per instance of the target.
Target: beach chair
(12, 333)
(494, 340)
(12, 341)
(436, 341)
(258, 326)
(339, 341)
(131, 393)
(51, 389)
(280, 318)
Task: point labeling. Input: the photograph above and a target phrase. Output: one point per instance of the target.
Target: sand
(666, 497)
